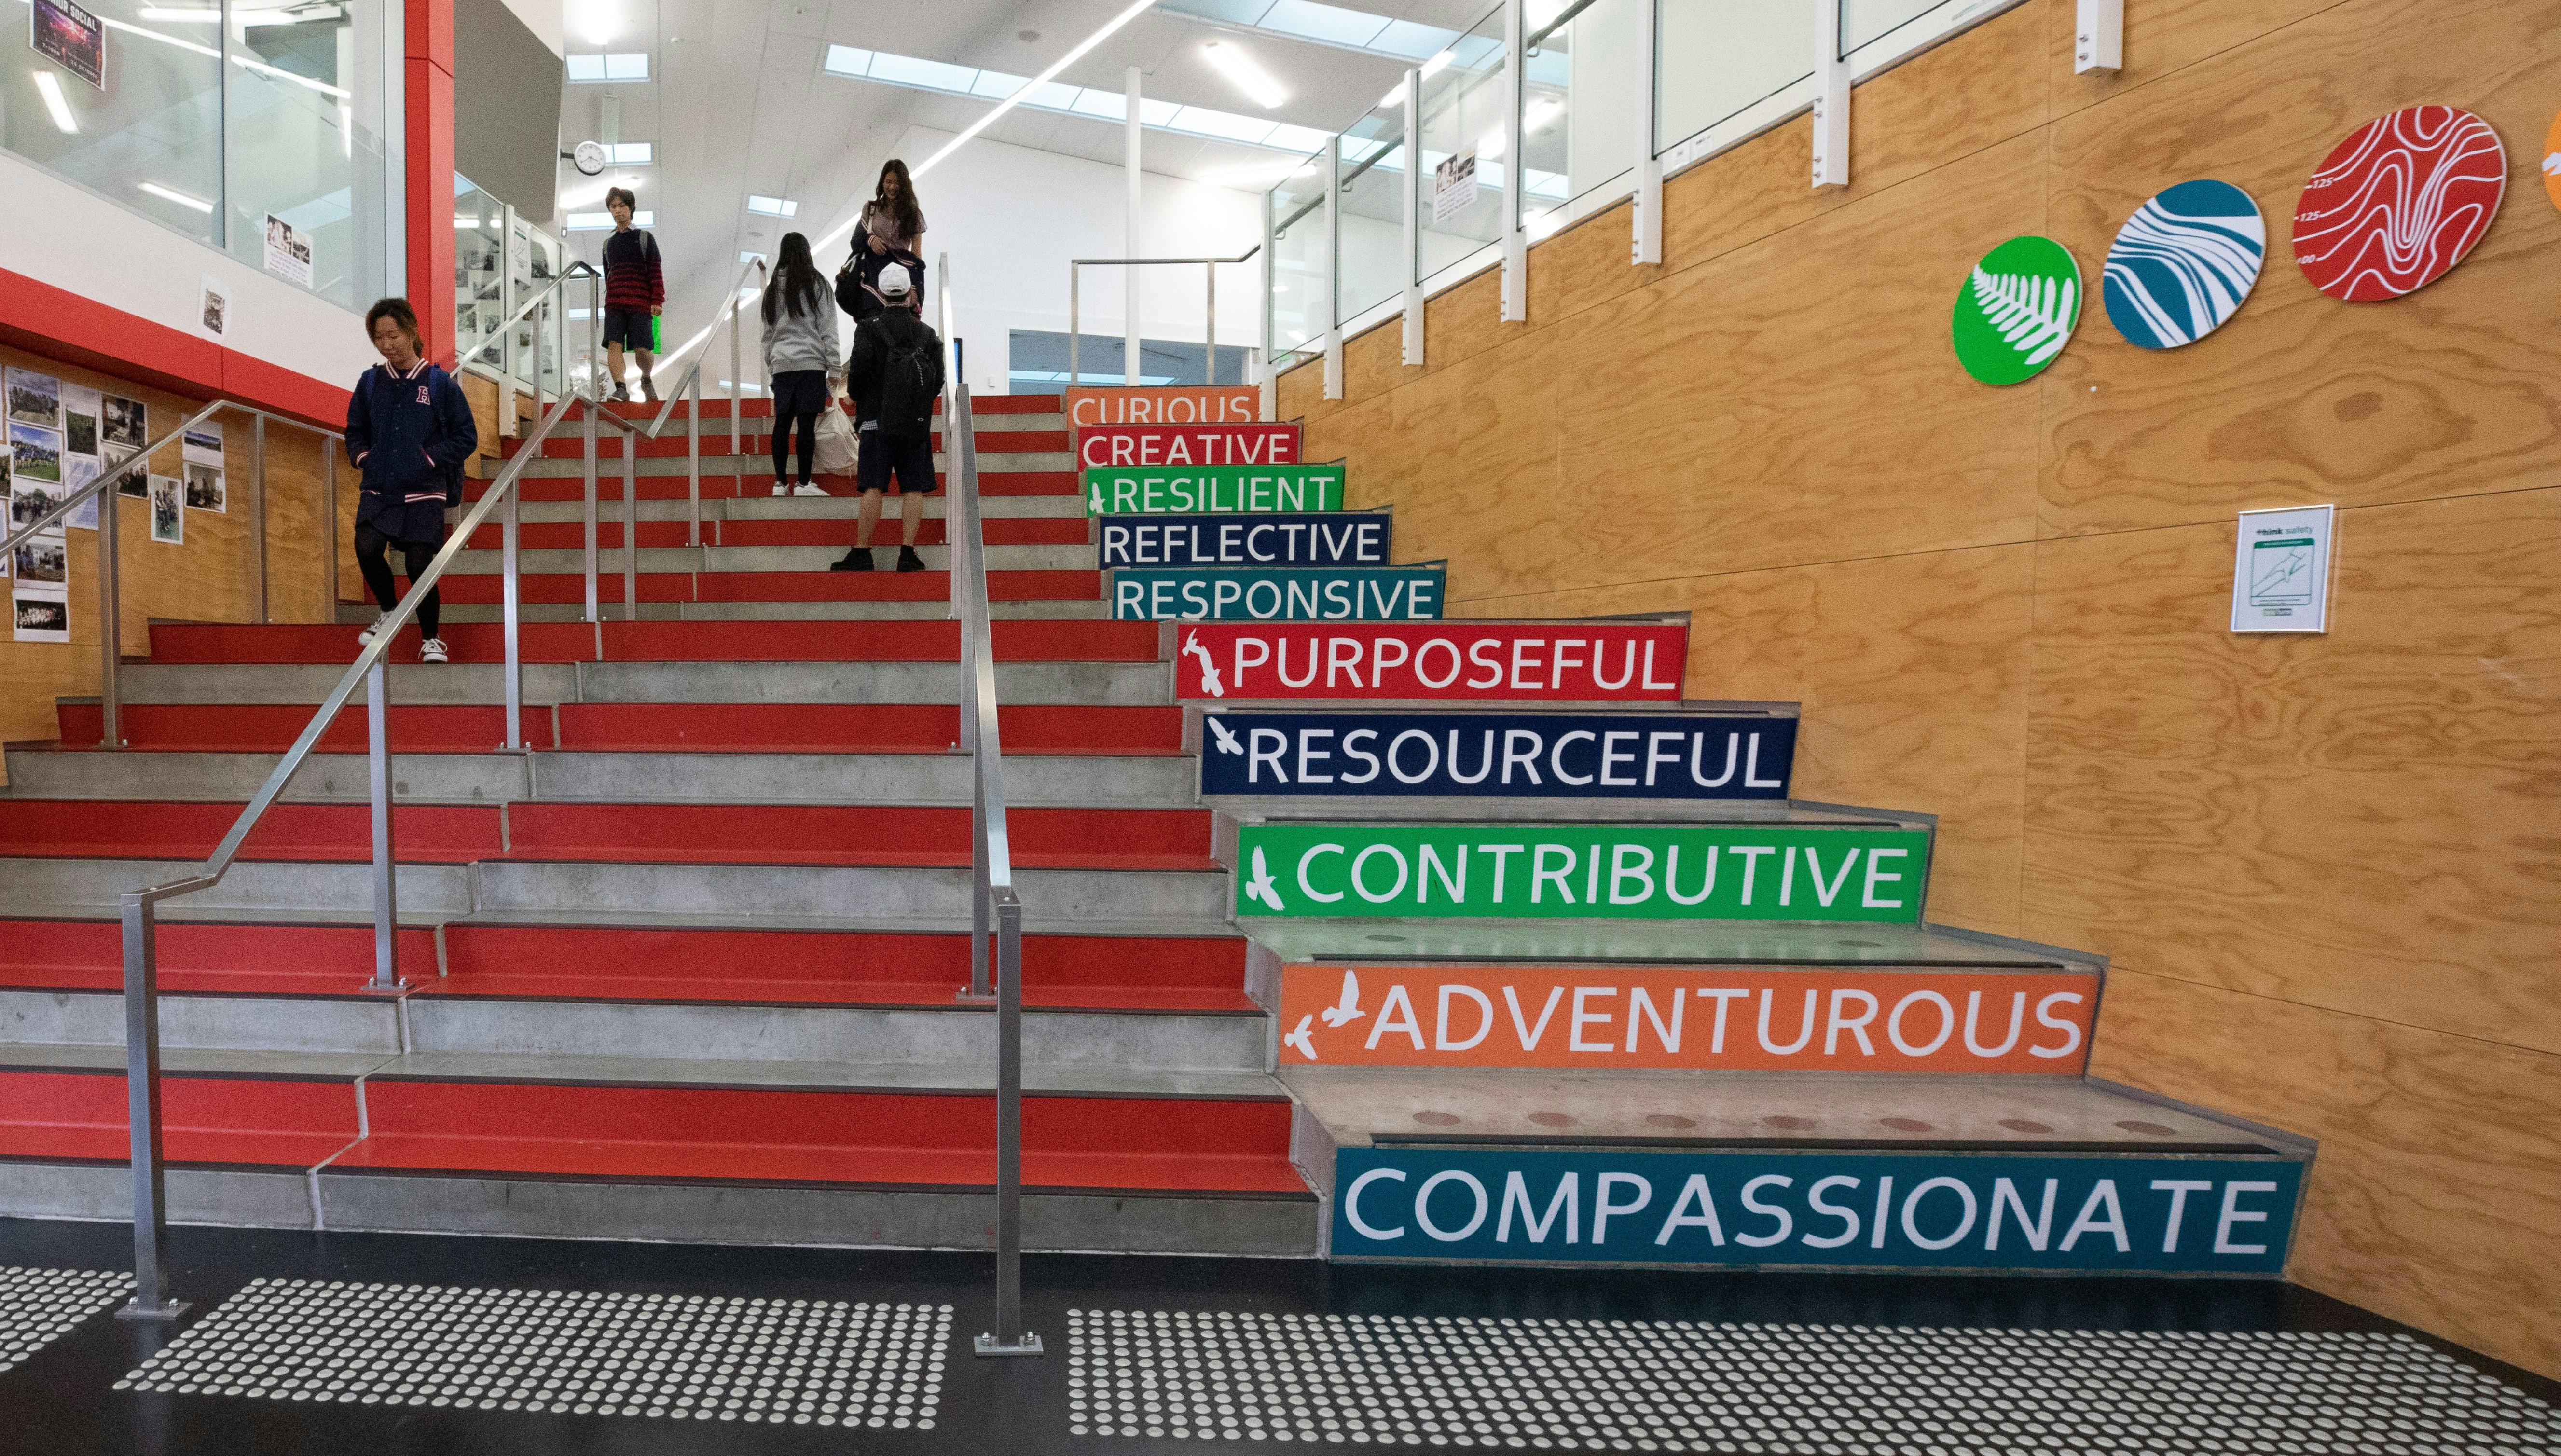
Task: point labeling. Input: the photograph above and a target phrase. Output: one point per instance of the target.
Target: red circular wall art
(2399, 203)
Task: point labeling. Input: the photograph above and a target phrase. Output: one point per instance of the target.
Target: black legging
(808, 441)
(371, 545)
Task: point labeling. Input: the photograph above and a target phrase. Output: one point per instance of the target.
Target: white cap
(892, 280)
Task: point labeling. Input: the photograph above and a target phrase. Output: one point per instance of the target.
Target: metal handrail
(1130, 367)
(110, 540)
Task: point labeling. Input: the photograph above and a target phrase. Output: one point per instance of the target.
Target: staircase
(1376, 936)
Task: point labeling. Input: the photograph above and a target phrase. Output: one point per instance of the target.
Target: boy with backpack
(409, 430)
(893, 374)
(635, 293)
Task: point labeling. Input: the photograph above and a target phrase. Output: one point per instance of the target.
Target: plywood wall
(210, 577)
(2325, 867)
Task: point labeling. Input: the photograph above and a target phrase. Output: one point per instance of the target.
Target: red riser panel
(271, 727)
(744, 1135)
(1013, 404)
(1026, 482)
(672, 446)
(883, 727)
(1087, 971)
(839, 532)
(292, 643)
(609, 487)
(560, 588)
(808, 834)
(231, 960)
(261, 1121)
(881, 585)
(874, 641)
(570, 536)
(445, 834)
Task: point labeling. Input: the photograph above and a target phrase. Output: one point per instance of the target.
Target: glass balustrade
(1713, 62)
(1301, 270)
(1580, 91)
(1370, 174)
(1459, 184)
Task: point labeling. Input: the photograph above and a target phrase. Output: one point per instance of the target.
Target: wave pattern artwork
(2400, 202)
(2182, 266)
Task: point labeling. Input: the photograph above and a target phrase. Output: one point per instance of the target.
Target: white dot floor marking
(1804, 1390)
(780, 1361)
(40, 1306)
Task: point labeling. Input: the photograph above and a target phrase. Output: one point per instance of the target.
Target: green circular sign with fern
(2018, 310)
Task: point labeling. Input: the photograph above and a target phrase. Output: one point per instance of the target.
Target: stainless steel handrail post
(589, 408)
(257, 503)
(694, 462)
(737, 462)
(630, 527)
(1074, 317)
(378, 755)
(1209, 367)
(111, 630)
(151, 1299)
(1009, 1138)
(329, 526)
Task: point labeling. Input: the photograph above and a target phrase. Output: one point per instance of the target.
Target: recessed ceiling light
(52, 86)
(1241, 69)
(1027, 35)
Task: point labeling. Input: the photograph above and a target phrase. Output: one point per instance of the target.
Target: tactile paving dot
(40, 1306)
(1803, 1390)
(780, 1361)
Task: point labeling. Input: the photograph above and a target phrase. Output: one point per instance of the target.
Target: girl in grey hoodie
(799, 349)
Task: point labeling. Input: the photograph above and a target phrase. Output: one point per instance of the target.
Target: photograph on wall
(79, 420)
(218, 306)
(79, 472)
(168, 523)
(123, 425)
(289, 251)
(35, 399)
(71, 37)
(41, 558)
(40, 617)
(35, 454)
(133, 483)
(205, 489)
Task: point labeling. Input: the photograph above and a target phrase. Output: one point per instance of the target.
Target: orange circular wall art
(2399, 203)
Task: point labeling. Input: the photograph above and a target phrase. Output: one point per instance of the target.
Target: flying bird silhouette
(1261, 886)
(1228, 743)
(1305, 1044)
(1210, 681)
(1347, 1009)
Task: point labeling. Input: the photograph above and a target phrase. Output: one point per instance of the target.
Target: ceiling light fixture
(171, 194)
(1541, 111)
(1439, 63)
(52, 87)
(189, 15)
(1242, 72)
(1081, 48)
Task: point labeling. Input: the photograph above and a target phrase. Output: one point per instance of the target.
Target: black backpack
(911, 380)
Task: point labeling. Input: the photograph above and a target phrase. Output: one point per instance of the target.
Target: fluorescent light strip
(1240, 70)
(171, 194)
(1082, 47)
(52, 87)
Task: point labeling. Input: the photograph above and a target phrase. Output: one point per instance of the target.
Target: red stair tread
(928, 641)
(738, 1134)
(888, 585)
(257, 1121)
(224, 959)
(572, 535)
(864, 728)
(553, 588)
(282, 642)
(271, 727)
(450, 834)
(816, 834)
(872, 968)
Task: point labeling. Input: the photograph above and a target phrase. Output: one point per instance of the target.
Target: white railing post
(1832, 99)
(1515, 281)
(1415, 172)
(1333, 165)
(1646, 248)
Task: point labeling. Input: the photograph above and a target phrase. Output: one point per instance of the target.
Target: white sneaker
(366, 637)
(432, 650)
(810, 488)
(781, 489)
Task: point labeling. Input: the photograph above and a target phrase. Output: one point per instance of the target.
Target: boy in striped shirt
(635, 293)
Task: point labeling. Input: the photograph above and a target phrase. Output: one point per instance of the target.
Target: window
(772, 207)
(633, 153)
(611, 66)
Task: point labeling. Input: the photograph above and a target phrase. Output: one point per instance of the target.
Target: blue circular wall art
(2183, 264)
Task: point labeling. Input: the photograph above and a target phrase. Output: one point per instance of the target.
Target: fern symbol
(2033, 313)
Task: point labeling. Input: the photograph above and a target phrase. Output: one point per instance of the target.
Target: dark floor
(59, 1400)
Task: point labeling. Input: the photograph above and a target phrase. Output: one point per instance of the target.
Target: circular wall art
(2399, 203)
(2552, 162)
(2018, 310)
(2183, 264)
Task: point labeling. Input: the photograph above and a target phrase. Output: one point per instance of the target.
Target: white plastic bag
(837, 442)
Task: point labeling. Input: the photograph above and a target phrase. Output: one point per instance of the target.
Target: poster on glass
(289, 251)
(71, 37)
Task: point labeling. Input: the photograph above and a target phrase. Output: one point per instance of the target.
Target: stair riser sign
(1335, 538)
(1213, 490)
(1164, 405)
(1707, 1019)
(1187, 444)
(1538, 661)
(2085, 1214)
(1530, 870)
(1311, 595)
(1497, 755)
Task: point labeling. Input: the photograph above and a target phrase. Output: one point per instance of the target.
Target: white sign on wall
(2281, 571)
(1454, 186)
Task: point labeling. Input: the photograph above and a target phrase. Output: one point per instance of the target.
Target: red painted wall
(429, 131)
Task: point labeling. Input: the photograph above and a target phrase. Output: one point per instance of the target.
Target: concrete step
(713, 777)
(92, 886)
(680, 558)
(1094, 683)
(760, 507)
(357, 613)
(1052, 898)
(756, 466)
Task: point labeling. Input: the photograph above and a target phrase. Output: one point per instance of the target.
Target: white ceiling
(739, 104)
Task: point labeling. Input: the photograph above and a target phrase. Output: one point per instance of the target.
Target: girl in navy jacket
(409, 430)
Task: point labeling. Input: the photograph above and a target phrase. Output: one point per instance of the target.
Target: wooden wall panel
(2435, 1197)
(2325, 867)
(2359, 821)
(1913, 673)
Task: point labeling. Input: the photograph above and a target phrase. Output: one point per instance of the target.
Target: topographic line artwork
(2018, 310)
(2399, 203)
(2552, 163)
(2183, 264)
